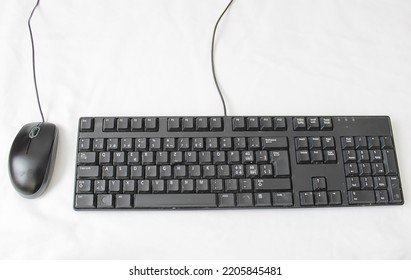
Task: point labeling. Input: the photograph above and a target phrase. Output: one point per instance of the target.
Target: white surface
(100, 57)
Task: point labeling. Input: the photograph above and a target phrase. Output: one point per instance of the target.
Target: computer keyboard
(235, 162)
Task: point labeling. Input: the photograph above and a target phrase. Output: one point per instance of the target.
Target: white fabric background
(101, 57)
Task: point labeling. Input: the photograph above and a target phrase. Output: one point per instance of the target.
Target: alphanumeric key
(109, 124)
(176, 157)
(216, 185)
(141, 144)
(173, 186)
(118, 158)
(180, 171)
(158, 186)
(123, 124)
(266, 123)
(122, 172)
(155, 144)
(375, 156)
(240, 144)
(211, 144)
(209, 171)
(202, 124)
(169, 144)
(253, 143)
(231, 185)
(147, 158)
(84, 144)
(151, 124)
(114, 186)
(143, 186)
(194, 171)
(216, 124)
(219, 157)
(252, 123)
(165, 172)
(126, 144)
(190, 157)
(266, 170)
(198, 144)
(99, 186)
(188, 124)
(349, 156)
(112, 144)
(183, 144)
(204, 157)
(86, 157)
(98, 145)
(151, 172)
(161, 158)
(248, 157)
(225, 144)
(136, 172)
(251, 171)
(261, 157)
(202, 185)
(363, 156)
(187, 186)
(380, 182)
(237, 171)
(351, 169)
(107, 172)
(233, 157)
(377, 169)
(245, 185)
(364, 169)
(129, 186)
(367, 183)
(137, 124)
(223, 171)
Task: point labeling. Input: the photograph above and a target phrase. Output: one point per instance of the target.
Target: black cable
(34, 61)
(212, 58)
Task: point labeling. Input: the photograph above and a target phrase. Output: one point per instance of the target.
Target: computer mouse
(31, 159)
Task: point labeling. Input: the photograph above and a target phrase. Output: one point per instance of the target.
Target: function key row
(312, 123)
(195, 124)
(121, 124)
(259, 123)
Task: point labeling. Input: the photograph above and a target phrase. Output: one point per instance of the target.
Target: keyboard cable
(34, 61)
(212, 59)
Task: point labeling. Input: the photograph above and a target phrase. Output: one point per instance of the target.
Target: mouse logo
(29, 173)
(34, 132)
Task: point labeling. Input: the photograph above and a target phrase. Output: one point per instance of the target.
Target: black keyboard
(235, 162)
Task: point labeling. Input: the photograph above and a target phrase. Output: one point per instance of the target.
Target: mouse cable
(34, 61)
(212, 58)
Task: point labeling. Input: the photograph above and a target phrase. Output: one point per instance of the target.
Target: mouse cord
(34, 60)
(212, 58)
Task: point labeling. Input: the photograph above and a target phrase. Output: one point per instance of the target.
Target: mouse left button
(86, 124)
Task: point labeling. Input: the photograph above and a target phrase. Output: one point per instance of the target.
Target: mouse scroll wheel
(34, 132)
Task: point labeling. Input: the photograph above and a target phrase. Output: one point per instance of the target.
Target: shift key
(91, 172)
(272, 184)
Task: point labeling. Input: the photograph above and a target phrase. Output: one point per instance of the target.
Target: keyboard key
(361, 197)
(202, 124)
(109, 124)
(386, 142)
(306, 199)
(238, 124)
(83, 186)
(312, 123)
(245, 200)
(319, 183)
(174, 124)
(381, 196)
(272, 184)
(105, 201)
(266, 123)
(263, 199)
(216, 124)
(151, 124)
(188, 124)
(303, 156)
(226, 200)
(334, 198)
(84, 201)
(273, 143)
(320, 198)
(252, 124)
(299, 123)
(282, 199)
(280, 123)
(123, 201)
(326, 123)
(88, 172)
(84, 144)
(390, 163)
(123, 124)
(137, 124)
(86, 124)
(175, 200)
(281, 163)
(86, 158)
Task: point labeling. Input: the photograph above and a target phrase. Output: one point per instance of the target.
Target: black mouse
(32, 157)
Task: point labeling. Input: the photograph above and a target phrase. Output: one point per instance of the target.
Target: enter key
(281, 163)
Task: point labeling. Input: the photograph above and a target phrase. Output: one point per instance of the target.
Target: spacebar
(175, 200)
